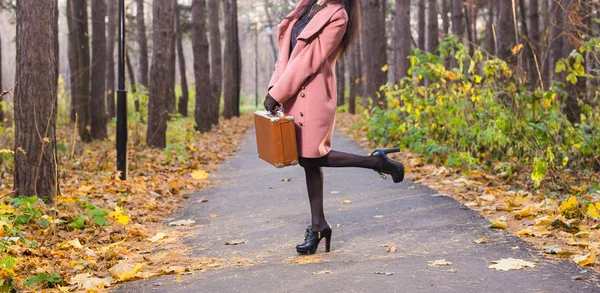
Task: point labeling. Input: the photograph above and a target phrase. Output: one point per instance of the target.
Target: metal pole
(122, 99)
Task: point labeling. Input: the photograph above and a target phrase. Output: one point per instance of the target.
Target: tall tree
(142, 42)
(491, 47)
(163, 13)
(432, 26)
(216, 66)
(421, 23)
(231, 60)
(98, 117)
(340, 72)
(402, 39)
(1, 88)
(267, 5)
(172, 99)
(445, 20)
(79, 61)
(183, 100)
(556, 38)
(576, 91)
(110, 59)
(374, 52)
(355, 77)
(206, 105)
(458, 24)
(507, 39)
(132, 83)
(36, 99)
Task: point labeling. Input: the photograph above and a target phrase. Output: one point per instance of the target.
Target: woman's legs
(314, 178)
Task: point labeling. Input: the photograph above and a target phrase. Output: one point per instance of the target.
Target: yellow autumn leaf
(125, 271)
(584, 260)
(451, 75)
(421, 91)
(120, 216)
(543, 221)
(525, 212)
(200, 175)
(516, 49)
(568, 204)
(592, 211)
(6, 209)
(385, 68)
(498, 224)
(346, 201)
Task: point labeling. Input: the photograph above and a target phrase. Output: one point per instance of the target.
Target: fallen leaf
(345, 201)
(584, 260)
(391, 248)
(125, 271)
(384, 273)
(579, 277)
(507, 264)
(286, 179)
(334, 192)
(451, 271)
(497, 224)
(157, 237)
(325, 272)
(552, 249)
(439, 263)
(86, 282)
(199, 175)
(178, 279)
(235, 242)
(481, 240)
(120, 216)
(182, 223)
(75, 243)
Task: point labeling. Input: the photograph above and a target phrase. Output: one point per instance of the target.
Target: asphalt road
(255, 205)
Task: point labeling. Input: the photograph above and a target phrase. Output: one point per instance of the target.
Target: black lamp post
(122, 99)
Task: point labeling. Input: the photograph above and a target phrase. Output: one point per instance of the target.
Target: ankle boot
(389, 166)
(312, 240)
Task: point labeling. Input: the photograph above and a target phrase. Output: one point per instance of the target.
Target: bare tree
(445, 20)
(374, 52)
(355, 77)
(421, 23)
(340, 72)
(490, 28)
(556, 39)
(577, 91)
(98, 99)
(205, 101)
(142, 42)
(232, 61)
(183, 100)
(507, 39)
(402, 39)
(458, 24)
(110, 60)
(163, 13)
(79, 61)
(36, 99)
(216, 67)
(432, 26)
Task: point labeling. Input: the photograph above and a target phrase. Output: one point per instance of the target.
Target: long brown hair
(354, 19)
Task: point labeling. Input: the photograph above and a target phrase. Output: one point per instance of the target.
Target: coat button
(302, 95)
(301, 114)
(300, 123)
(303, 87)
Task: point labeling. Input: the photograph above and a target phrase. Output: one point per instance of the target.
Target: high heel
(312, 240)
(389, 166)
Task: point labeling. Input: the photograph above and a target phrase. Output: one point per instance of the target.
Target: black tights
(314, 178)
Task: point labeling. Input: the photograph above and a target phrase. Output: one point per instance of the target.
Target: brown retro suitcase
(276, 138)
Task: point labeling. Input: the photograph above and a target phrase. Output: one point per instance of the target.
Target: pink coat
(305, 84)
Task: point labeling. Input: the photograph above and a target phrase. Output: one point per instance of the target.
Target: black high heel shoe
(389, 166)
(312, 240)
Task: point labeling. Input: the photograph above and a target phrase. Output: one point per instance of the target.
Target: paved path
(254, 204)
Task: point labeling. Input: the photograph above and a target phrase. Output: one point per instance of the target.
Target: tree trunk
(490, 28)
(421, 24)
(445, 19)
(205, 101)
(556, 39)
(458, 25)
(531, 39)
(543, 46)
(577, 91)
(183, 100)
(272, 29)
(132, 83)
(1, 87)
(374, 50)
(402, 39)
(432, 27)
(98, 117)
(237, 90)
(355, 77)
(231, 61)
(216, 65)
(340, 72)
(473, 9)
(79, 44)
(36, 104)
(172, 99)
(110, 61)
(160, 75)
(506, 32)
(142, 43)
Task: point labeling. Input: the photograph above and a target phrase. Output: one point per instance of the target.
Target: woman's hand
(271, 104)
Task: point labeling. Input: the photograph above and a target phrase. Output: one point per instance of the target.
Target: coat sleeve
(312, 57)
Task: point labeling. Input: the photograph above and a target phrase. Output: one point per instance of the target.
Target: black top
(301, 24)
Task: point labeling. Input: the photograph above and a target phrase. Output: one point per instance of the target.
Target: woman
(311, 38)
